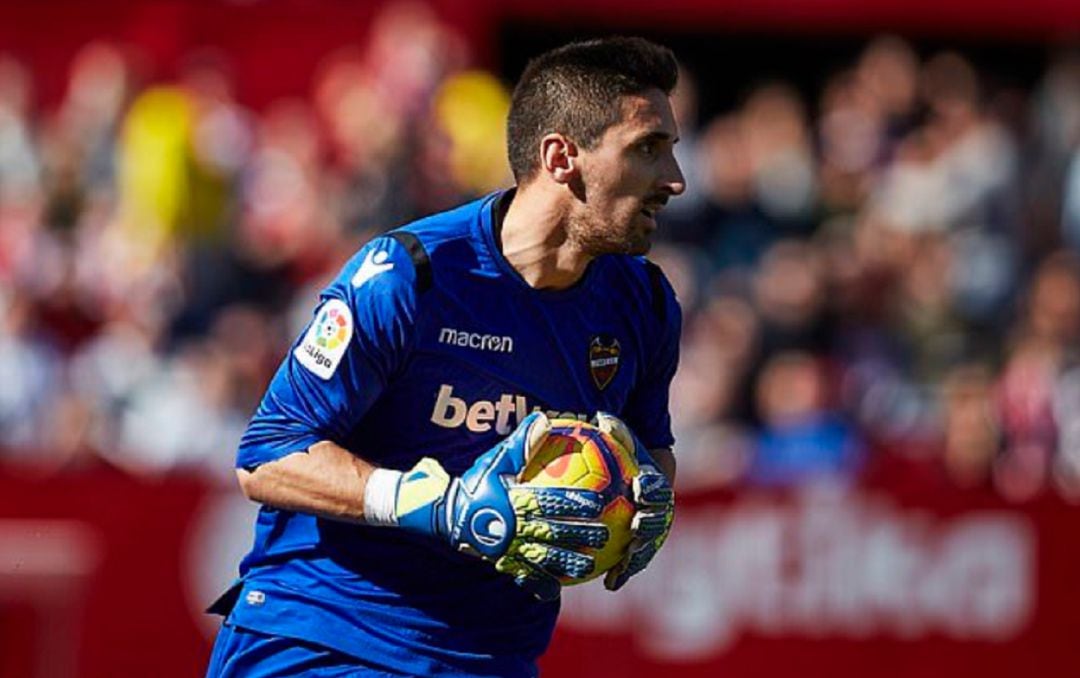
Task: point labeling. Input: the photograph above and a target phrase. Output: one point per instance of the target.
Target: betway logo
(504, 414)
(482, 342)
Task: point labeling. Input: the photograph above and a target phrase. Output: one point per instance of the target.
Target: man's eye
(647, 148)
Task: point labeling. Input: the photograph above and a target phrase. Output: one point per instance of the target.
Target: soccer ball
(579, 455)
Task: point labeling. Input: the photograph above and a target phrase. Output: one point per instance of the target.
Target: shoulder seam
(656, 282)
(418, 254)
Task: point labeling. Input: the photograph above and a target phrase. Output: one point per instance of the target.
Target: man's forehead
(648, 111)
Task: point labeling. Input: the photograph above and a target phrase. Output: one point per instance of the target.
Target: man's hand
(654, 499)
(529, 532)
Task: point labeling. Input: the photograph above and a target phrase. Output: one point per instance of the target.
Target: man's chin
(639, 248)
(639, 242)
(635, 239)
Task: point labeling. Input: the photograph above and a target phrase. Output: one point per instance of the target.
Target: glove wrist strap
(380, 497)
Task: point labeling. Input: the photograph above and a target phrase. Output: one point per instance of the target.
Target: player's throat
(541, 257)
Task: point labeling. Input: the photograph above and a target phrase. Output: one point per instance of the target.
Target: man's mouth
(650, 209)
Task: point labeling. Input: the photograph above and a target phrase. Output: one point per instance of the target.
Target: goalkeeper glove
(654, 500)
(529, 532)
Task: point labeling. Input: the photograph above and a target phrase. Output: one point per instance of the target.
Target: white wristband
(380, 495)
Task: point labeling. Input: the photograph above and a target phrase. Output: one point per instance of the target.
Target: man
(380, 452)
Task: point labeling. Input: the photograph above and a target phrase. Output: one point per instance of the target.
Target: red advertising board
(840, 582)
(103, 575)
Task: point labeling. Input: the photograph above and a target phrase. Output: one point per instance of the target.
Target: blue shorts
(243, 653)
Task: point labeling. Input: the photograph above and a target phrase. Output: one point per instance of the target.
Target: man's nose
(674, 181)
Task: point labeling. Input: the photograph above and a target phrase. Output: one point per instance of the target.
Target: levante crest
(603, 360)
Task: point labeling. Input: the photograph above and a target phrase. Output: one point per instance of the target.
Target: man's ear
(558, 158)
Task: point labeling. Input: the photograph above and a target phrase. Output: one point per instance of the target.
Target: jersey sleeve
(646, 411)
(358, 337)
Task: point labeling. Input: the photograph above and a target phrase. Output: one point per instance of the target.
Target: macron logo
(481, 342)
(374, 264)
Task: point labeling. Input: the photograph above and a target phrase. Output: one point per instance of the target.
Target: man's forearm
(327, 480)
(665, 459)
(330, 481)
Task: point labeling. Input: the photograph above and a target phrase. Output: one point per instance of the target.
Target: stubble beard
(596, 236)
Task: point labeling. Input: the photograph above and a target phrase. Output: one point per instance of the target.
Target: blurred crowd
(888, 271)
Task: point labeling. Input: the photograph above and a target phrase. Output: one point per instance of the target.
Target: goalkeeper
(392, 539)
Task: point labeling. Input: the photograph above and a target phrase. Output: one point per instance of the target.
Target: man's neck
(535, 243)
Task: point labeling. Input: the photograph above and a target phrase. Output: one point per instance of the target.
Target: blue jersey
(430, 344)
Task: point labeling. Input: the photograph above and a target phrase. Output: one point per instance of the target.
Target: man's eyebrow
(657, 135)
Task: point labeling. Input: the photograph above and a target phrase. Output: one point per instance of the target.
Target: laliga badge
(603, 360)
(325, 342)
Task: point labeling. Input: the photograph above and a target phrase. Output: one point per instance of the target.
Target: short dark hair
(575, 90)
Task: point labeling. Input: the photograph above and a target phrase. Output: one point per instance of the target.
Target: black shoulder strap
(226, 601)
(420, 259)
(656, 280)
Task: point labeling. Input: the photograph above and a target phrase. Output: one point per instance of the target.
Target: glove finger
(553, 560)
(564, 533)
(540, 584)
(615, 427)
(652, 488)
(526, 440)
(556, 502)
(633, 562)
(614, 579)
(648, 525)
(536, 433)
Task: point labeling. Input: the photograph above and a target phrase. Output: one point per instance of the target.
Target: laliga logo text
(317, 356)
(478, 417)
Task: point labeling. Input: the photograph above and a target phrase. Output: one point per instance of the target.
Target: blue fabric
(242, 653)
(818, 446)
(447, 374)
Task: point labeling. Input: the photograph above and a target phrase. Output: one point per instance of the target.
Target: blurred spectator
(736, 231)
(971, 430)
(789, 294)
(30, 371)
(1070, 211)
(19, 162)
(778, 140)
(718, 346)
(1028, 384)
(89, 118)
(1053, 207)
(759, 176)
(801, 437)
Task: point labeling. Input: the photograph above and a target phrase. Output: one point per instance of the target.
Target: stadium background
(878, 398)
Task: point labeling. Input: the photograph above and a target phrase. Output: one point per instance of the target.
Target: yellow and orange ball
(579, 455)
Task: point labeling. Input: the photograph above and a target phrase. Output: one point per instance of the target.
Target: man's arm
(665, 459)
(487, 511)
(327, 480)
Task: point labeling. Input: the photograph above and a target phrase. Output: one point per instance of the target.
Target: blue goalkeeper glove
(654, 500)
(530, 533)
